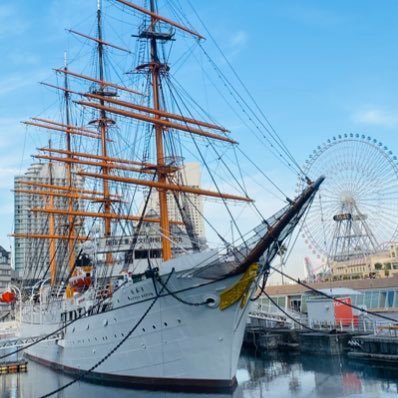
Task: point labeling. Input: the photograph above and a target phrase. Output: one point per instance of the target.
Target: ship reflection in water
(259, 376)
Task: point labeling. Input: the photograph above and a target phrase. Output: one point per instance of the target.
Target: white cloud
(10, 22)
(319, 17)
(236, 43)
(376, 117)
(239, 39)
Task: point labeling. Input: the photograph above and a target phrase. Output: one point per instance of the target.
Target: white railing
(8, 329)
(364, 325)
(269, 312)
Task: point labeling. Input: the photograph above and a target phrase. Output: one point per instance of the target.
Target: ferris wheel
(356, 208)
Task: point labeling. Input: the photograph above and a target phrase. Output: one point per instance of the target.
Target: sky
(316, 68)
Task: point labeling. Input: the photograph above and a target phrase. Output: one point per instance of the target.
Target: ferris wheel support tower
(356, 209)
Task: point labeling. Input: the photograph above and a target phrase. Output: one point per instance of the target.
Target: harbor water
(259, 376)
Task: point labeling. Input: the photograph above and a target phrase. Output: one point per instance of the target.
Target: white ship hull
(176, 346)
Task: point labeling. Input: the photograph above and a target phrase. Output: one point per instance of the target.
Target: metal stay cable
(263, 292)
(271, 131)
(179, 14)
(110, 353)
(291, 317)
(206, 165)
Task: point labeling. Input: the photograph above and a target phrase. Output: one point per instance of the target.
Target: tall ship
(119, 282)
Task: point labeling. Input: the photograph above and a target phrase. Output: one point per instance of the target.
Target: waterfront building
(378, 295)
(382, 264)
(5, 277)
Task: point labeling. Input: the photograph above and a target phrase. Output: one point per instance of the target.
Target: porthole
(165, 324)
(212, 301)
(153, 327)
(106, 322)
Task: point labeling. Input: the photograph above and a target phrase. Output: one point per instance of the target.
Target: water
(263, 376)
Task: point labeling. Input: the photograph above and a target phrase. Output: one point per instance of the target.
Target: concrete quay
(284, 339)
(375, 348)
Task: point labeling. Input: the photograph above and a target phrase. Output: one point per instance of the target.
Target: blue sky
(316, 68)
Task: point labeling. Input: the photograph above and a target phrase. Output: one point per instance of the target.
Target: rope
(173, 294)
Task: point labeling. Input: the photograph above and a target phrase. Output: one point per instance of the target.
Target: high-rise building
(31, 258)
(5, 269)
(5, 279)
(190, 204)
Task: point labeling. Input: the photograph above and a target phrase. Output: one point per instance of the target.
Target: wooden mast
(156, 114)
(51, 231)
(103, 126)
(160, 158)
(68, 166)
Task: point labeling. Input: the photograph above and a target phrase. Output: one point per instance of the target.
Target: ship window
(143, 329)
(141, 254)
(165, 324)
(153, 327)
(179, 320)
(156, 253)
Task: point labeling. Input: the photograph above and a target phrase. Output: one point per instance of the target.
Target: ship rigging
(105, 240)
